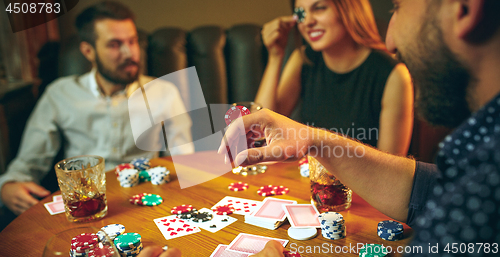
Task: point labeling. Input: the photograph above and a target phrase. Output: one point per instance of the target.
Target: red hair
(359, 21)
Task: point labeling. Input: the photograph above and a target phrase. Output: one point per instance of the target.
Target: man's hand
(286, 139)
(272, 249)
(157, 251)
(18, 196)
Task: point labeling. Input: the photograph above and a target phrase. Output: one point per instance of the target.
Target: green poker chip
(128, 240)
(144, 176)
(151, 200)
(373, 250)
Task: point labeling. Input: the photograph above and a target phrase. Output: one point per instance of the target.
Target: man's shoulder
(65, 83)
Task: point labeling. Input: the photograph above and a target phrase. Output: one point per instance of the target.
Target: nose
(389, 39)
(126, 50)
(309, 19)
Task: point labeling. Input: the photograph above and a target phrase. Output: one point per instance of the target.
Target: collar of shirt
(97, 92)
(468, 140)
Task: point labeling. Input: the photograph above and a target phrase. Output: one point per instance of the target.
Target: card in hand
(240, 205)
(54, 207)
(252, 244)
(217, 222)
(271, 208)
(220, 251)
(172, 227)
(302, 215)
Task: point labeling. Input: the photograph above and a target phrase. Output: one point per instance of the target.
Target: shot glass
(82, 181)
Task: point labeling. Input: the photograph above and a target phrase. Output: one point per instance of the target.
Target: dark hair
(103, 10)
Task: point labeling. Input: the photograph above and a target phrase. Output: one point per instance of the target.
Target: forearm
(267, 93)
(383, 180)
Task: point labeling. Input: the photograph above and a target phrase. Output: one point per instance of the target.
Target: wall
(188, 14)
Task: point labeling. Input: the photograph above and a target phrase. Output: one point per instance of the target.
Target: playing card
(302, 215)
(220, 251)
(57, 198)
(172, 227)
(241, 206)
(217, 222)
(54, 207)
(271, 208)
(251, 244)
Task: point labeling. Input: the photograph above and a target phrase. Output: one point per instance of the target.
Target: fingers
(37, 189)
(173, 252)
(151, 251)
(272, 249)
(17, 197)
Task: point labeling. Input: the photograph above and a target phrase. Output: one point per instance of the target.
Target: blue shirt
(456, 204)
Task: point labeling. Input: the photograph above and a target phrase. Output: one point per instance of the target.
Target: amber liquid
(87, 207)
(335, 197)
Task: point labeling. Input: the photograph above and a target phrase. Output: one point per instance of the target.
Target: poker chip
(128, 241)
(281, 190)
(123, 166)
(151, 200)
(159, 175)
(181, 209)
(111, 230)
(128, 177)
(302, 233)
(238, 186)
(267, 190)
(299, 14)
(137, 199)
(331, 218)
(141, 163)
(235, 112)
(104, 251)
(290, 254)
(223, 209)
(144, 176)
(84, 239)
(201, 217)
(390, 230)
(373, 250)
(332, 225)
(187, 215)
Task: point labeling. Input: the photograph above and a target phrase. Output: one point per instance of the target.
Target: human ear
(468, 15)
(88, 51)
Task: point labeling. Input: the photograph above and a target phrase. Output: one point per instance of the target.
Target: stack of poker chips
(304, 167)
(82, 244)
(159, 175)
(123, 166)
(128, 178)
(332, 225)
(144, 176)
(129, 244)
(104, 251)
(390, 230)
(112, 231)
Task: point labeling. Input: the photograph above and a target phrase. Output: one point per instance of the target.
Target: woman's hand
(275, 35)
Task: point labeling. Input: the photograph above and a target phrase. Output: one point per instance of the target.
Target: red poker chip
(282, 190)
(84, 240)
(267, 190)
(238, 186)
(303, 161)
(105, 251)
(223, 209)
(123, 166)
(137, 199)
(235, 112)
(185, 208)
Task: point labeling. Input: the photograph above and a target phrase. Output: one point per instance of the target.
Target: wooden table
(28, 234)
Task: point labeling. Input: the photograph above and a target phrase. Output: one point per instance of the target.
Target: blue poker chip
(390, 225)
(141, 163)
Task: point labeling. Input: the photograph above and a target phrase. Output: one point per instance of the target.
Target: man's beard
(116, 78)
(441, 81)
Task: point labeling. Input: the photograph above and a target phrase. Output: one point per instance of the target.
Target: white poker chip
(302, 233)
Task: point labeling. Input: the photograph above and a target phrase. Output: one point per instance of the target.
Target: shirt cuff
(425, 178)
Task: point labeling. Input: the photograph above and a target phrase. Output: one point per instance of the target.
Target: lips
(315, 35)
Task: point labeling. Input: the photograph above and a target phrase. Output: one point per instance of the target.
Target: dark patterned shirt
(456, 206)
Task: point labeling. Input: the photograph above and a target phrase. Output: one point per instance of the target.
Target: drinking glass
(252, 169)
(82, 181)
(327, 192)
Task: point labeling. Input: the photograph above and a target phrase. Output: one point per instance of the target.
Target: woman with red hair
(347, 81)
